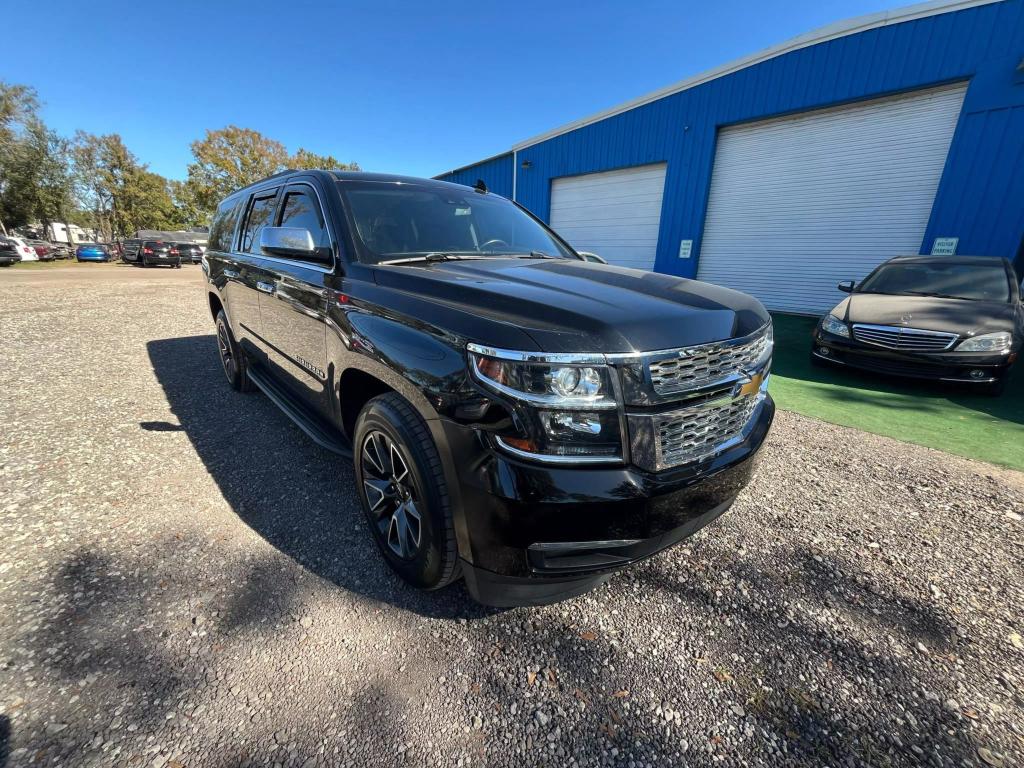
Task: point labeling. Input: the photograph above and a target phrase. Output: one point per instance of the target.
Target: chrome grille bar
(696, 367)
(903, 339)
(683, 435)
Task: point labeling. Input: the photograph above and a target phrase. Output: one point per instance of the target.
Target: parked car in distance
(27, 252)
(155, 252)
(92, 252)
(130, 251)
(42, 248)
(948, 318)
(8, 252)
(61, 251)
(515, 414)
(189, 252)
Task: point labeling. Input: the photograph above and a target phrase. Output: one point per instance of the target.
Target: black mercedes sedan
(948, 318)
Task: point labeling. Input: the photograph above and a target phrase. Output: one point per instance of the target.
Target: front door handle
(230, 273)
(265, 287)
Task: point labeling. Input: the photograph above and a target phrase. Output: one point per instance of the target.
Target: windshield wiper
(534, 255)
(935, 295)
(431, 258)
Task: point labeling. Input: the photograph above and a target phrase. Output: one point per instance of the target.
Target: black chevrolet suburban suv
(516, 414)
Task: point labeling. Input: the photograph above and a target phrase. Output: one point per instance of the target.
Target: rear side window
(261, 213)
(302, 209)
(222, 230)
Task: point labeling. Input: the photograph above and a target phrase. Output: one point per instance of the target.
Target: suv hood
(928, 313)
(575, 306)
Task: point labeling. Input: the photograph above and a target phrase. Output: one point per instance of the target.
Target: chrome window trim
(548, 458)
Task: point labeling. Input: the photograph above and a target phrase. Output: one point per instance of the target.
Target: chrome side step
(320, 432)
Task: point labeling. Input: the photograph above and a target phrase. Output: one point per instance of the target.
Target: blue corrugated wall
(980, 197)
(496, 173)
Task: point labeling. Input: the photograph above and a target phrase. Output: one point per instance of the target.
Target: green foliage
(306, 160)
(122, 193)
(230, 158)
(34, 180)
(96, 181)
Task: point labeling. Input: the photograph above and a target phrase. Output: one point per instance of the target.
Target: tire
(422, 550)
(232, 358)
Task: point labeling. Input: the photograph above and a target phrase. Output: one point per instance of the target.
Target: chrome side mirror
(588, 256)
(291, 243)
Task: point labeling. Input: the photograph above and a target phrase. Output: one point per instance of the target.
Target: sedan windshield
(394, 222)
(954, 280)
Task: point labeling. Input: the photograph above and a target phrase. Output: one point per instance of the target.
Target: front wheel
(404, 494)
(232, 358)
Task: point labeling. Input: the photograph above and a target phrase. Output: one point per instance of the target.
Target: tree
(91, 180)
(187, 211)
(230, 158)
(34, 179)
(306, 160)
(123, 194)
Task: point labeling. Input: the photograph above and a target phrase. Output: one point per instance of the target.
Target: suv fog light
(823, 351)
(977, 373)
(568, 423)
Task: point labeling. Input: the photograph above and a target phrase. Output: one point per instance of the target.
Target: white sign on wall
(944, 246)
(685, 248)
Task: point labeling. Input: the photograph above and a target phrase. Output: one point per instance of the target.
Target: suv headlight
(988, 342)
(571, 408)
(835, 326)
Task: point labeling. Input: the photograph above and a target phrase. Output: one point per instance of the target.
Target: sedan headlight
(835, 326)
(988, 342)
(570, 408)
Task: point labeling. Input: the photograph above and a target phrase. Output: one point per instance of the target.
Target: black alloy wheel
(391, 494)
(403, 492)
(232, 359)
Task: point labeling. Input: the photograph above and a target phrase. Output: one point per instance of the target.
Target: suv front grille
(671, 438)
(696, 367)
(903, 339)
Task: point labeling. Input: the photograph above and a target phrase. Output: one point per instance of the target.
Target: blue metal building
(805, 164)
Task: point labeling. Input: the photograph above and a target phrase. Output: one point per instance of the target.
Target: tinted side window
(223, 227)
(302, 209)
(261, 213)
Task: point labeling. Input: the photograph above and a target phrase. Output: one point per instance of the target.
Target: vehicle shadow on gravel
(890, 656)
(135, 645)
(298, 497)
(5, 739)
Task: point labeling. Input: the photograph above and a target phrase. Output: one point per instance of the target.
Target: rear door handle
(230, 273)
(265, 287)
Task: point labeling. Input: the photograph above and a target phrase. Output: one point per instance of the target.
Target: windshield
(955, 280)
(393, 221)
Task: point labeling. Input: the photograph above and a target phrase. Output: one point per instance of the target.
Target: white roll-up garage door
(800, 202)
(615, 214)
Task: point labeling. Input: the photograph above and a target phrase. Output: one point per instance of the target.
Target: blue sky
(416, 87)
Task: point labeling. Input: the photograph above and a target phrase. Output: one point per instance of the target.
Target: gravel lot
(185, 580)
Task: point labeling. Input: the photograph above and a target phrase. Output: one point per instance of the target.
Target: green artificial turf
(945, 417)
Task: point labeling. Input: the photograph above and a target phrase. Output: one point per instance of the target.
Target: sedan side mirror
(846, 286)
(292, 243)
(587, 256)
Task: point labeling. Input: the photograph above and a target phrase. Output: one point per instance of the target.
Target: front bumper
(532, 534)
(91, 257)
(945, 366)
